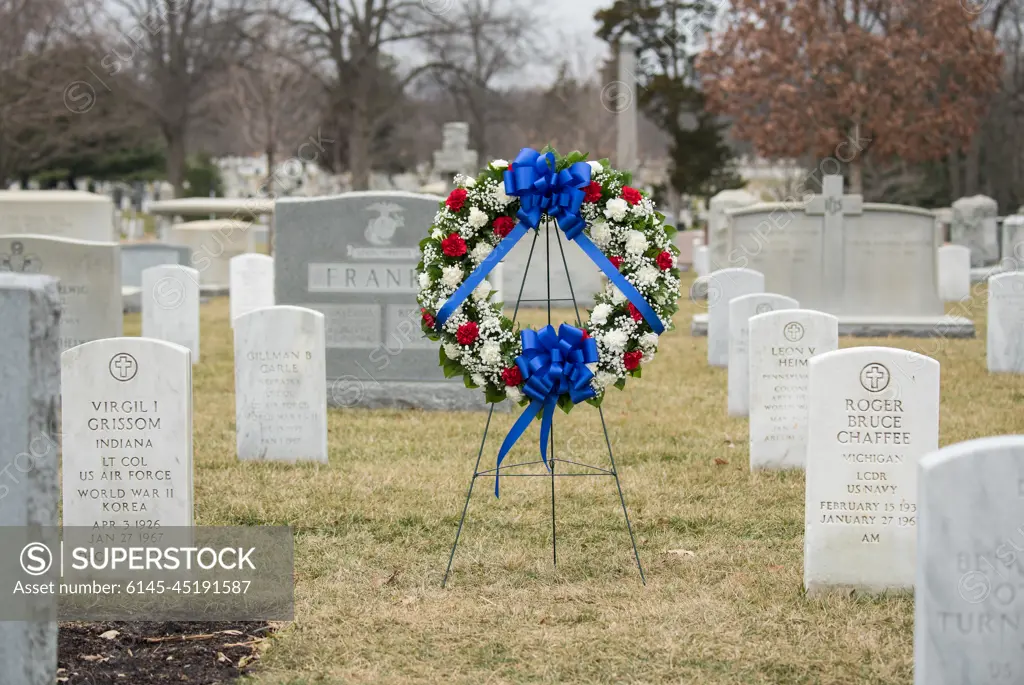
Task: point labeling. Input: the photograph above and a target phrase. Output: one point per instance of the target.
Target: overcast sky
(570, 23)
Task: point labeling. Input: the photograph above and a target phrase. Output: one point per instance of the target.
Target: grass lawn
(723, 549)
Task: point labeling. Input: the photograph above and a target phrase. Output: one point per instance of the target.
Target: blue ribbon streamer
(552, 364)
(541, 190)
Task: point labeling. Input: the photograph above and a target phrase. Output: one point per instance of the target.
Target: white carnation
(452, 351)
(499, 164)
(452, 276)
(649, 341)
(490, 352)
(648, 274)
(513, 393)
(615, 340)
(477, 218)
(595, 167)
(616, 209)
(465, 181)
(636, 242)
(480, 251)
(482, 291)
(603, 379)
(601, 234)
(600, 314)
(437, 234)
(425, 280)
(478, 380)
(617, 296)
(500, 196)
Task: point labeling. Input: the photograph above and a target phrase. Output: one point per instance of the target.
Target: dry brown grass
(374, 528)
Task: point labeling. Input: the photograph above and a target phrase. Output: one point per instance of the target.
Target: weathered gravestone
(30, 376)
(1012, 250)
(740, 310)
(874, 266)
(974, 226)
(90, 281)
(137, 257)
(1005, 338)
(967, 596)
(455, 157)
(280, 395)
(126, 412)
(252, 283)
(58, 213)
(353, 258)
(722, 286)
(700, 259)
(170, 306)
(781, 347)
(719, 255)
(873, 413)
(954, 273)
(213, 243)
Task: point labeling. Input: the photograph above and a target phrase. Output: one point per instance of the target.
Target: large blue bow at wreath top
(551, 364)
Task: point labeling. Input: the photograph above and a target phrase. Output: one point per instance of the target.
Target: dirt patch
(146, 653)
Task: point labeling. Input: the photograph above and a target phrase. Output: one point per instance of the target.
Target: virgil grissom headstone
(30, 376)
(127, 434)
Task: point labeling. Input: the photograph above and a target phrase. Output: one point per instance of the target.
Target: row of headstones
(1004, 341)
(885, 509)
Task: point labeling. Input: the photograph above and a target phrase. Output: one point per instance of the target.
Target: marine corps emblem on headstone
(382, 227)
(19, 262)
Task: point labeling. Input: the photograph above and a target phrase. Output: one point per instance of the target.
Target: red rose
(635, 313)
(586, 334)
(503, 225)
(664, 261)
(453, 245)
(456, 199)
(593, 192)
(428, 318)
(467, 333)
(616, 261)
(632, 359)
(512, 376)
(631, 195)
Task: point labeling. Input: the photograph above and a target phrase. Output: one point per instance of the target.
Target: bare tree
(173, 50)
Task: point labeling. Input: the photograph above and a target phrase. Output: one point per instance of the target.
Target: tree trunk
(856, 166)
(175, 137)
(269, 192)
(359, 148)
(972, 167)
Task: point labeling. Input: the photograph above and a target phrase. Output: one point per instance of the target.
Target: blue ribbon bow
(552, 364)
(559, 194)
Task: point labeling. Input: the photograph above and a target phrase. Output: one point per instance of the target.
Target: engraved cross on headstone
(455, 157)
(833, 205)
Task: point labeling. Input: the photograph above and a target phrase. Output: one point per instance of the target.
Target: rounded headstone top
(46, 196)
(211, 225)
(732, 198)
(975, 201)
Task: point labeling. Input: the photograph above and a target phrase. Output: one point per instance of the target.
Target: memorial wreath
(617, 227)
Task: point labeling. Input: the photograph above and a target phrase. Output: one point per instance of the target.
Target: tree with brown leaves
(907, 79)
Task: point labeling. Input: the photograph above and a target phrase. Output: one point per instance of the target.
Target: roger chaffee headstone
(127, 434)
(740, 310)
(874, 412)
(30, 375)
(353, 258)
(90, 282)
(967, 596)
(170, 306)
(280, 395)
(252, 283)
(781, 347)
(722, 286)
(1005, 338)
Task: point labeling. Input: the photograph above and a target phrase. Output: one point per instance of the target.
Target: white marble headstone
(1012, 251)
(1005, 341)
(740, 310)
(90, 281)
(700, 259)
(170, 306)
(71, 214)
(975, 227)
(280, 396)
(127, 434)
(954, 273)
(967, 596)
(252, 283)
(873, 413)
(724, 285)
(781, 346)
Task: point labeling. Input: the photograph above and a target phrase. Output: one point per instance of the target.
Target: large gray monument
(353, 258)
